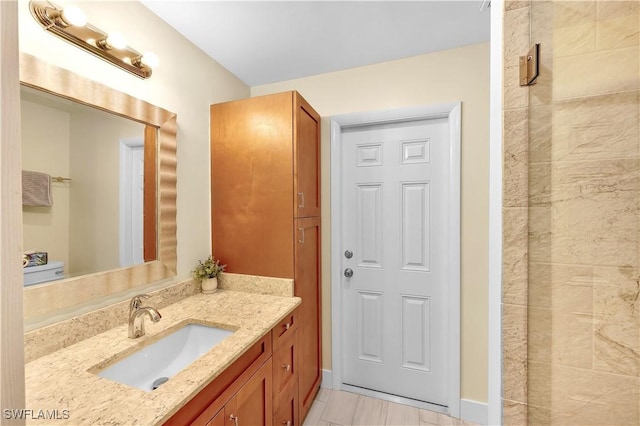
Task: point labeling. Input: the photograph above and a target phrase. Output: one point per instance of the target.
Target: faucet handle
(136, 301)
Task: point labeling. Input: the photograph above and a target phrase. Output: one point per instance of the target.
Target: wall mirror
(112, 157)
(101, 218)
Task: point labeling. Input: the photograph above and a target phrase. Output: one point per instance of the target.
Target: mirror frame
(54, 296)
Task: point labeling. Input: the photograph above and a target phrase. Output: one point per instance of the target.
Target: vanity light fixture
(71, 24)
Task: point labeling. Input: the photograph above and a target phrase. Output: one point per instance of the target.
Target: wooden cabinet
(265, 207)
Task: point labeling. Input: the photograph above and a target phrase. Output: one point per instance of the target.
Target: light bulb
(150, 59)
(116, 41)
(74, 16)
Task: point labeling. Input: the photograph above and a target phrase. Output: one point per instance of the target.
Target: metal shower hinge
(529, 67)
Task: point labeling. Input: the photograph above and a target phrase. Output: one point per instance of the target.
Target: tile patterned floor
(340, 408)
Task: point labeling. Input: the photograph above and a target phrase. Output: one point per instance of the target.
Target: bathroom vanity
(250, 376)
(260, 388)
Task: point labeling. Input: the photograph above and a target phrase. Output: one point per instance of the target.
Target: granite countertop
(61, 390)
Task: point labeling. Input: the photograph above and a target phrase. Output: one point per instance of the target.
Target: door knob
(348, 272)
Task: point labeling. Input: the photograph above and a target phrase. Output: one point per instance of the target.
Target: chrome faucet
(136, 312)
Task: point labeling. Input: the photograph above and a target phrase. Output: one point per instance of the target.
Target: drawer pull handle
(234, 419)
(287, 367)
(287, 326)
(287, 423)
(301, 197)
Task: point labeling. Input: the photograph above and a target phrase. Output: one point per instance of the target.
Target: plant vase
(209, 285)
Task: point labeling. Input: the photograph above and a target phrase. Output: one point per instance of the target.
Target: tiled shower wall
(571, 295)
(515, 216)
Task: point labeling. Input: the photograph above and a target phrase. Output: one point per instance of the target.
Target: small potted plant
(207, 272)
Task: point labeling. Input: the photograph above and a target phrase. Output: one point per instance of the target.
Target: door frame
(126, 227)
(452, 112)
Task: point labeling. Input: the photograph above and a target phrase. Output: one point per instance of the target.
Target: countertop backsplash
(50, 338)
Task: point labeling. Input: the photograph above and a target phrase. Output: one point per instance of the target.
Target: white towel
(36, 189)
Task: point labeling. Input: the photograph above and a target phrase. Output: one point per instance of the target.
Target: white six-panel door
(394, 221)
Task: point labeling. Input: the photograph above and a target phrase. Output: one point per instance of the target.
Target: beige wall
(448, 76)
(45, 148)
(186, 82)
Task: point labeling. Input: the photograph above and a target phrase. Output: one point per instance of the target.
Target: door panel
(394, 196)
(415, 332)
(370, 338)
(369, 226)
(415, 226)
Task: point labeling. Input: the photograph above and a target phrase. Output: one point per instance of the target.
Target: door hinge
(529, 66)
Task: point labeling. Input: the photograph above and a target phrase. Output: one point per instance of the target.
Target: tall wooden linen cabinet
(265, 209)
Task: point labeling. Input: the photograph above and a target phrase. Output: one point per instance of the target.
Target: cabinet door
(306, 167)
(307, 287)
(252, 404)
(252, 185)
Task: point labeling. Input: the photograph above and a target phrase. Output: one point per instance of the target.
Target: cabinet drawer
(286, 411)
(284, 328)
(285, 364)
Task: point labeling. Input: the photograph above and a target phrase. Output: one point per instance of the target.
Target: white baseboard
(474, 411)
(327, 379)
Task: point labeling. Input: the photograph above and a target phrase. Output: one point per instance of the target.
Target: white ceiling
(268, 41)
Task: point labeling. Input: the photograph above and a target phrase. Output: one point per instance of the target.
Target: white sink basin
(151, 365)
